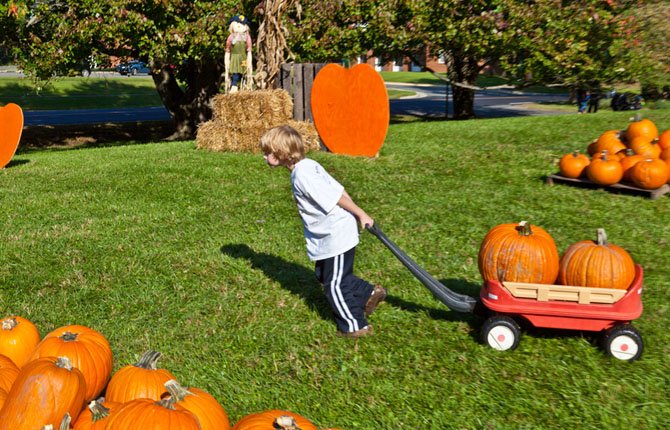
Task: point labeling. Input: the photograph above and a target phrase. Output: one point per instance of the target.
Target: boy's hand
(365, 220)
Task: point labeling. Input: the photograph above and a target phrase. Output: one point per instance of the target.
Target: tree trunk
(190, 107)
(463, 69)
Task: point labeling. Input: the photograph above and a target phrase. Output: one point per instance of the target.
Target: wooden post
(297, 80)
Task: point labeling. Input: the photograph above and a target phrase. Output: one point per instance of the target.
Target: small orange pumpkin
(87, 349)
(518, 253)
(274, 419)
(596, 264)
(650, 173)
(147, 414)
(18, 339)
(96, 415)
(641, 127)
(204, 406)
(573, 165)
(45, 389)
(628, 162)
(142, 380)
(609, 141)
(604, 170)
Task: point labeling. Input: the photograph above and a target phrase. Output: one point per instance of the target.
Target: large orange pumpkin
(8, 373)
(641, 128)
(142, 380)
(96, 415)
(573, 165)
(274, 419)
(597, 264)
(43, 392)
(87, 349)
(18, 339)
(650, 173)
(604, 170)
(204, 406)
(147, 414)
(518, 253)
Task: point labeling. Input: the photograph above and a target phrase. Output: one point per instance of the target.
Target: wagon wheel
(501, 333)
(624, 342)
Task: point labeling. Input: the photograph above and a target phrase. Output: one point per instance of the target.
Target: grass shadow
(16, 162)
(291, 276)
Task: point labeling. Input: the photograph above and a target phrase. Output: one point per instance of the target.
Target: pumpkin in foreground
(141, 380)
(203, 405)
(596, 264)
(274, 420)
(96, 415)
(518, 253)
(147, 414)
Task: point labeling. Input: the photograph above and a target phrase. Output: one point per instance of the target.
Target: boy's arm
(348, 204)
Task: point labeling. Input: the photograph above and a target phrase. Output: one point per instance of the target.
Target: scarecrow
(238, 54)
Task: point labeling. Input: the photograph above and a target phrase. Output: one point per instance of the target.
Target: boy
(329, 218)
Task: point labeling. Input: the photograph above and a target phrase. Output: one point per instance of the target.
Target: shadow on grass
(16, 162)
(291, 276)
(35, 138)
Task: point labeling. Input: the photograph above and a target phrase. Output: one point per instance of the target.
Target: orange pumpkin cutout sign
(350, 109)
(11, 126)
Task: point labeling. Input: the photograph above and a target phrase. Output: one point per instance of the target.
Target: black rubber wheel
(501, 333)
(623, 342)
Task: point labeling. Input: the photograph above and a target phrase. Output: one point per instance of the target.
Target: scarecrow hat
(239, 18)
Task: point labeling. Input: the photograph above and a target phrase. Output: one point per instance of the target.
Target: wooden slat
(568, 293)
(624, 188)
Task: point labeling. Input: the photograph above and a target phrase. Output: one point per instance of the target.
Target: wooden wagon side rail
(566, 293)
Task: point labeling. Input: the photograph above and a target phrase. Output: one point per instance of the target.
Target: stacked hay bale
(241, 118)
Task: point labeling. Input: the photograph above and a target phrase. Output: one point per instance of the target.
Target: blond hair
(285, 143)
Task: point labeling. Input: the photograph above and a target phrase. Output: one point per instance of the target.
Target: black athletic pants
(346, 293)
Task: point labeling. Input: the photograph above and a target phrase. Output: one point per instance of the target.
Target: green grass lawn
(200, 256)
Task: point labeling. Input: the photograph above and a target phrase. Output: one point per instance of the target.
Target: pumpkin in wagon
(518, 253)
(597, 264)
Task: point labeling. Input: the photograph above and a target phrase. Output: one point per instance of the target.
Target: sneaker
(378, 295)
(365, 331)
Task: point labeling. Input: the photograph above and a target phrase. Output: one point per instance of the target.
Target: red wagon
(572, 308)
(609, 311)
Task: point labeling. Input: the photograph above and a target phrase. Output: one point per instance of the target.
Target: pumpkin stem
(65, 424)
(524, 228)
(68, 336)
(98, 411)
(149, 360)
(575, 153)
(64, 363)
(167, 403)
(176, 390)
(601, 237)
(285, 422)
(9, 323)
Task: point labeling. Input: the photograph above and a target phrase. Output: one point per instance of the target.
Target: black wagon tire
(501, 333)
(623, 342)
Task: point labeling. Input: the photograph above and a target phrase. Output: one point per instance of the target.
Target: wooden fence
(298, 79)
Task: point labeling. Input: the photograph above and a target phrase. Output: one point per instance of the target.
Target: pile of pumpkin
(527, 253)
(54, 383)
(638, 155)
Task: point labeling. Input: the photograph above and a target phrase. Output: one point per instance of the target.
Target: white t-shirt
(329, 229)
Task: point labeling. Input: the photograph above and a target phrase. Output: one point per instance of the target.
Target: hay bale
(241, 118)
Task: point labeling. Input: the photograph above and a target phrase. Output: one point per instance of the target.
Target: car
(133, 67)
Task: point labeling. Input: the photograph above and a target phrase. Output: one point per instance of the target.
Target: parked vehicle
(133, 67)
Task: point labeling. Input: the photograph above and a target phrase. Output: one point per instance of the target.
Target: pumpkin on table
(608, 141)
(204, 406)
(18, 339)
(650, 173)
(45, 389)
(141, 380)
(573, 165)
(518, 253)
(87, 349)
(643, 146)
(664, 139)
(596, 264)
(641, 127)
(274, 419)
(605, 170)
(628, 162)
